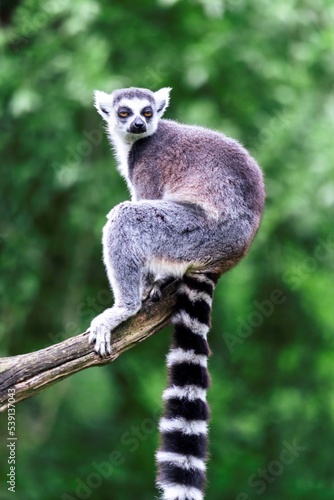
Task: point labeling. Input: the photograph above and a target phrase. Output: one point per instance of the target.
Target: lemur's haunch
(197, 201)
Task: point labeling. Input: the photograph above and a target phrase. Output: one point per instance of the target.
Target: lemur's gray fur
(197, 200)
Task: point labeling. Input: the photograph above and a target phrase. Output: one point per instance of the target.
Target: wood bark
(29, 374)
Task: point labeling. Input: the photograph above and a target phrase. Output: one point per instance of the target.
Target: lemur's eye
(147, 112)
(124, 112)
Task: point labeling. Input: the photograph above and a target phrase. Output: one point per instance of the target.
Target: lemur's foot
(156, 294)
(147, 292)
(158, 286)
(102, 326)
(100, 333)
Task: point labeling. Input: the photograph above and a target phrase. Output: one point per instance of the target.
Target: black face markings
(138, 125)
(147, 112)
(124, 112)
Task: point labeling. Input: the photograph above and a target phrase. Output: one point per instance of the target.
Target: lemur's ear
(162, 99)
(103, 103)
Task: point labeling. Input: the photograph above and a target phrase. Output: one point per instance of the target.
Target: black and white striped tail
(183, 452)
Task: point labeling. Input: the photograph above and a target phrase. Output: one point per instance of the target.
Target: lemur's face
(136, 116)
(132, 113)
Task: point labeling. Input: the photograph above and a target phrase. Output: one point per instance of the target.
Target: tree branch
(28, 374)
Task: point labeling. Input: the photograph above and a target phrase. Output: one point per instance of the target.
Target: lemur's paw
(100, 334)
(146, 292)
(155, 294)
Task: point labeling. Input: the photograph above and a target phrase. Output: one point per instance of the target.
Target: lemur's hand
(100, 332)
(102, 326)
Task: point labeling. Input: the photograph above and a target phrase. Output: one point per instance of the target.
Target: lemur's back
(193, 164)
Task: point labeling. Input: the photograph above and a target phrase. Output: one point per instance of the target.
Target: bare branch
(30, 373)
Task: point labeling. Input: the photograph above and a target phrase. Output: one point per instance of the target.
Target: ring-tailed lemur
(197, 201)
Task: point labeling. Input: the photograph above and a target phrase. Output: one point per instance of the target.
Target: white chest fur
(122, 150)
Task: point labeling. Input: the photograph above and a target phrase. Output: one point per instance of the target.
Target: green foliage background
(260, 71)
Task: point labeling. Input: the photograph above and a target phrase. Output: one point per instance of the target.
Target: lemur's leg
(148, 235)
(126, 276)
(127, 302)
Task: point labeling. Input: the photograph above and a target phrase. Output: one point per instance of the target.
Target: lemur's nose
(139, 124)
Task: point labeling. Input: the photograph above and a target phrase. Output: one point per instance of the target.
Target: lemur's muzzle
(138, 126)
